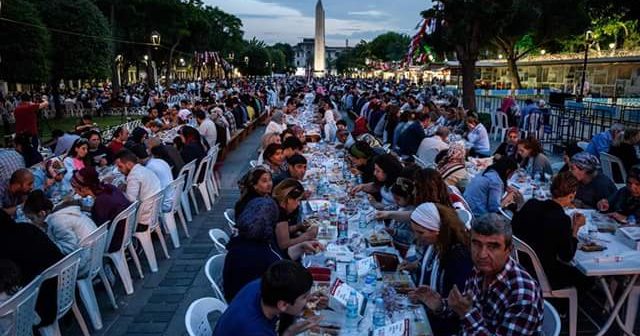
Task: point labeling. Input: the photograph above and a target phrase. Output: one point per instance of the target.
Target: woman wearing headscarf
(254, 249)
(276, 125)
(50, 178)
(593, 185)
(452, 167)
(447, 261)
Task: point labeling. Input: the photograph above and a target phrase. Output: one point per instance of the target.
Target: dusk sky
(291, 20)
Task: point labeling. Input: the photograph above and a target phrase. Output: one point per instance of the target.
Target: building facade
(304, 56)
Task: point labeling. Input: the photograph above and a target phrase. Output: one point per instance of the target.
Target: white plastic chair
(569, 293)
(532, 125)
(189, 171)
(607, 160)
(466, 217)
(230, 216)
(196, 319)
(95, 243)
(220, 239)
(583, 145)
(204, 170)
(168, 218)
(215, 188)
(502, 125)
(127, 220)
(419, 162)
(65, 272)
(213, 270)
(632, 308)
(253, 163)
(551, 320)
(19, 310)
(154, 204)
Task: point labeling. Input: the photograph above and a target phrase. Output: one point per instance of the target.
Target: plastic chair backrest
(541, 276)
(203, 166)
(213, 270)
(127, 218)
(253, 163)
(230, 216)
(153, 204)
(607, 161)
(196, 319)
(551, 321)
(220, 239)
(66, 272)
(19, 310)
(503, 120)
(176, 187)
(96, 243)
(419, 162)
(189, 171)
(532, 122)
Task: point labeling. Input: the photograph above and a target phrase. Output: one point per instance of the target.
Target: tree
(353, 58)
(278, 60)
(287, 49)
(254, 59)
(80, 41)
(530, 24)
(389, 46)
(24, 49)
(465, 27)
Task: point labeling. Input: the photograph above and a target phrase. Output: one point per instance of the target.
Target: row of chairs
(20, 308)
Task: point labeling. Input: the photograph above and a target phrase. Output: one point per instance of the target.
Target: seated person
(50, 178)
(500, 297)
(485, 191)
(291, 146)
(344, 138)
(77, 158)
(99, 155)
(602, 141)
(296, 169)
(33, 252)
(534, 162)
(362, 156)
(86, 123)
(449, 263)
(626, 201)
(120, 137)
(593, 186)
(510, 146)
(570, 149)
(255, 183)
(14, 192)
(25, 147)
(110, 201)
(387, 169)
(67, 226)
(273, 159)
(624, 148)
(254, 249)
(284, 288)
(399, 227)
(431, 146)
(289, 231)
(551, 233)
(452, 166)
(478, 138)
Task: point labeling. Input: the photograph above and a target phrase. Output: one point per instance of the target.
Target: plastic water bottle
(343, 227)
(379, 314)
(631, 220)
(352, 272)
(352, 311)
(363, 221)
(411, 255)
(370, 282)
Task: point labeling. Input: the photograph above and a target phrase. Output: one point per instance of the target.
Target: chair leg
(120, 263)
(88, 297)
(183, 222)
(147, 246)
(136, 260)
(194, 201)
(185, 206)
(80, 319)
(51, 330)
(169, 222)
(163, 243)
(107, 287)
(212, 191)
(202, 187)
(573, 314)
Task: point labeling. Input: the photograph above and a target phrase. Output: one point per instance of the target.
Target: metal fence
(571, 121)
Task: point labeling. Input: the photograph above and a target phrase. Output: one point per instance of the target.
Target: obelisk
(318, 53)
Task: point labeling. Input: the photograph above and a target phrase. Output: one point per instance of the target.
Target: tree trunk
(173, 48)
(468, 83)
(513, 73)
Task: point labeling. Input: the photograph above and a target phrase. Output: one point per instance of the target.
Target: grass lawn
(68, 124)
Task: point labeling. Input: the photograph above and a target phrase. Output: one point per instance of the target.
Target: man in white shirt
(163, 172)
(431, 146)
(330, 127)
(207, 128)
(142, 183)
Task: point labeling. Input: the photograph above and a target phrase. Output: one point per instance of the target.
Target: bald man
(15, 191)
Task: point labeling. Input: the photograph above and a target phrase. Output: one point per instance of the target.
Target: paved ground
(160, 300)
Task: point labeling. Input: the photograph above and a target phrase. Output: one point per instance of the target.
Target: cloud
(371, 12)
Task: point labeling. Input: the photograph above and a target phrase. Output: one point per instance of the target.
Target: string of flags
(208, 57)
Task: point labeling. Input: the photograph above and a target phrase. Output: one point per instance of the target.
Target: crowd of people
(411, 158)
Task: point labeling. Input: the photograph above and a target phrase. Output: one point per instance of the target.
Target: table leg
(617, 306)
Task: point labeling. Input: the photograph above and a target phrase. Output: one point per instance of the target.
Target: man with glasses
(500, 297)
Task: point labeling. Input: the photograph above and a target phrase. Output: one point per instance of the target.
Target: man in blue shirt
(284, 289)
(602, 141)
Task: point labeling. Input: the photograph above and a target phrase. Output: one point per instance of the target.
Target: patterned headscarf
(455, 157)
(53, 167)
(586, 161)
(258, 219)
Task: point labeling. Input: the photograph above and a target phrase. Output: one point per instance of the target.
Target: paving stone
(148, 328)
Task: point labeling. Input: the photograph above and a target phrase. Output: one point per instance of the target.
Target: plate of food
(379, 238)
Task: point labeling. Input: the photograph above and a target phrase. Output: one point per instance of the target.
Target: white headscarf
(427, 216)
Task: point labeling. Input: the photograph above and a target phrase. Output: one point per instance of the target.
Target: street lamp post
(588, 39)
